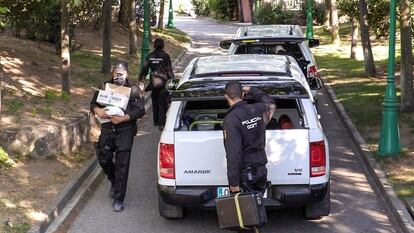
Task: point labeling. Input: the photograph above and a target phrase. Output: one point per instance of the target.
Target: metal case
(242, 210)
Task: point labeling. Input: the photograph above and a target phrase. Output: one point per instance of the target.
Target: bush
(3, 11)
(4, 159)
(39, 20)
(84, 12)
(268, 13)
(379, 17)
(318, 9)
(348, 8)
(223, 9)
(201, 7)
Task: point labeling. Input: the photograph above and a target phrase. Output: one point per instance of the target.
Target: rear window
(209, 115)
(208, 90)
(289, 49)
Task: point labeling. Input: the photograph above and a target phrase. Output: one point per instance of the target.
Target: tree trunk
(354, 40)
(365, 40)
(65, 46)
(123, 13)
(1, 79)
(106, 37)
(407, 92)
(327, 14)
(161, 16)
(252, 3)
(132, 29)
(335, 23)
(240, 10)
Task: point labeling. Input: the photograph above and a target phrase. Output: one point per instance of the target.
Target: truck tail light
(167, 161)
(313, 72)
(317, 159)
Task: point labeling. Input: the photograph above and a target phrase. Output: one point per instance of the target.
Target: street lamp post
(171, 23)
(309, 21)
(145, 36)
(389, 144)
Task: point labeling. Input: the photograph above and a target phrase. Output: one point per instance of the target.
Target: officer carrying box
(117, 134)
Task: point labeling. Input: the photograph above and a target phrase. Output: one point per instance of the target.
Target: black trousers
(159, 104)
(116, 143)
(256, 181)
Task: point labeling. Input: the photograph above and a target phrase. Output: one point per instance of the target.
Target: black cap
(121, 66)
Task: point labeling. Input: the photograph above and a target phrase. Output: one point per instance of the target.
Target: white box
(119, 100)
(109, 98)
(104, 97)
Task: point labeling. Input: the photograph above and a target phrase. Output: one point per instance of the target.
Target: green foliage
(3, 11)
(201, 7)
(53, 96)
(41, 19)
(318, 10)
(5, 160)
(13, 106)
(378, 17)
(181, 8)
(38, 20)
(223, 9)
(268, 13)
(348, 8)
(83, 12)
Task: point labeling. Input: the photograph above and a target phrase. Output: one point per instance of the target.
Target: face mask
(119, 80)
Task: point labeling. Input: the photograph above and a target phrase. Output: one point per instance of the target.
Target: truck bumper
(278, 195)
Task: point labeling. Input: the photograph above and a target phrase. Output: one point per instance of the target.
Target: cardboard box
(114, 95)
(118, 89)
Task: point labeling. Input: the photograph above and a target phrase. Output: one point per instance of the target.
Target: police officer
(159, 63)
(244, 131)
(117, 136)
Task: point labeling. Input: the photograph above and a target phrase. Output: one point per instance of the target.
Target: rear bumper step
(278, 196)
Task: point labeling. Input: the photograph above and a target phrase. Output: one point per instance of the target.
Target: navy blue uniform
(245, 139)
(118, 139)
(159, 63)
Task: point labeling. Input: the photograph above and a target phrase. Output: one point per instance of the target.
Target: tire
(319, 209)
(170, 211)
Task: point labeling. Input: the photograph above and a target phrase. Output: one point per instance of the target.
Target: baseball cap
(121, 67)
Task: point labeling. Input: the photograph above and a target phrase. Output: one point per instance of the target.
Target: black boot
(118, 206)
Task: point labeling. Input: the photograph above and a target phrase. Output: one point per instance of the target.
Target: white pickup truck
(191, 157)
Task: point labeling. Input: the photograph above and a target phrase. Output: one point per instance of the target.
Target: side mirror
(315, 83)
(313, 43)
(172, 84)
(225, 44)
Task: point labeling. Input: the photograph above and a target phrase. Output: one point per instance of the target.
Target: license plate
(225, 191)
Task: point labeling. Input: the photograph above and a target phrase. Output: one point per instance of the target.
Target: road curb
(68, 193)
(396, 211)
(65, 196)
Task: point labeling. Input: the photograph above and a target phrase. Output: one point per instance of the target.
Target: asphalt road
(354, 205)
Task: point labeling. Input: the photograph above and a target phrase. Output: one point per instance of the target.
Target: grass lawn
(363, 96)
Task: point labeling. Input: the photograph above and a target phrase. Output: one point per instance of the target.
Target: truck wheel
(170, 211)
(319, 209)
